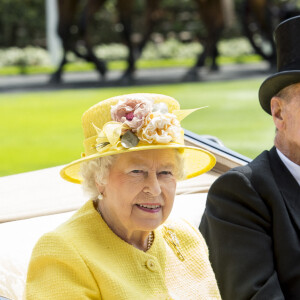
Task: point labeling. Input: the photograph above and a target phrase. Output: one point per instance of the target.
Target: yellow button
(151, 264)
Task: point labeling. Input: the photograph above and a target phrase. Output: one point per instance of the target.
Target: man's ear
(277, 112)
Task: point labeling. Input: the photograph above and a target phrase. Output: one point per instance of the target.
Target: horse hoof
(126, 79)
(55, 79)
(102, 69)
(214, 68)
(191, 75)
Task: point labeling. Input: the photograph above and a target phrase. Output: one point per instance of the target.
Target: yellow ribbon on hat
(110, 133)
(183, 113)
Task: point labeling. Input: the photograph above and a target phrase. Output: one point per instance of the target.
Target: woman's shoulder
(68, 230)
(84, 214)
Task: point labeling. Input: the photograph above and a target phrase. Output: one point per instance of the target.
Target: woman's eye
(165, 173)
(137, 171)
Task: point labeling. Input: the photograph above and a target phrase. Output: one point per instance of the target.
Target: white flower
(160, 128)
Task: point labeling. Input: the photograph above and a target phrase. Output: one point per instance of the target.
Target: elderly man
(252, 218)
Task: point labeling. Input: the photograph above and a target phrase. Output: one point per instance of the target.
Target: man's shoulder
(251, 185)
(261, 162)
(254, 173)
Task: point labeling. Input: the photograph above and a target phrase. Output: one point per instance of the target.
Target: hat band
(291, 66)
(91, 147)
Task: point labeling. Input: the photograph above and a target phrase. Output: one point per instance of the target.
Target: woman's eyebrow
(167, 166)
(137, 165)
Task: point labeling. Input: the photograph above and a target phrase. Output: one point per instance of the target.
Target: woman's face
(140, 191)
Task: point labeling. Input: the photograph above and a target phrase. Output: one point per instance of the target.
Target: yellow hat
(137, 122)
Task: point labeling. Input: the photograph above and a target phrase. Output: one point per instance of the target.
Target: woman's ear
(277, 112)
(100, 187)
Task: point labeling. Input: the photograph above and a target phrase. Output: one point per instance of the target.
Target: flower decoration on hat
(160, 128)
(132, 112)
(139, 120)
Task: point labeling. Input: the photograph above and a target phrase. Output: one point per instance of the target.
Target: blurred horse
(215, 15)
(260, 18)
(74, 34)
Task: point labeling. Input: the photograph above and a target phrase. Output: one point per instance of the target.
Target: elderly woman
(120, 245)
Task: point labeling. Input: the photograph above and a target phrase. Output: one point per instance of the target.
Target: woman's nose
(152, 185)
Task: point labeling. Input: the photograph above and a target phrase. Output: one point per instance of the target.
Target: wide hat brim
(196, 160)
(273, 84)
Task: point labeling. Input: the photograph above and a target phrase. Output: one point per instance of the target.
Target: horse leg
(212, 51)
(66, 12)
(152, 16)
(192, 73)
(125, 8)
(215, 53)
(212, 17)
(56, 76)
(91, 7)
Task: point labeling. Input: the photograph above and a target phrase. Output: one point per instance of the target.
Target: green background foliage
(22, 23)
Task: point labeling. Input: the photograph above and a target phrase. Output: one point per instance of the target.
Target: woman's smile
(150, 208)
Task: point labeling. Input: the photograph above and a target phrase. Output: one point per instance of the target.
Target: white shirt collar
(292, 167)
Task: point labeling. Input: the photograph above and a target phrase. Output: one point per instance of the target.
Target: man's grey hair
(97, 171)
(288, 92)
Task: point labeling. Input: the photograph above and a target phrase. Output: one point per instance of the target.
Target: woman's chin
(148, 224)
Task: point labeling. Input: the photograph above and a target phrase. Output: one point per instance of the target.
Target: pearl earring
(100, 196)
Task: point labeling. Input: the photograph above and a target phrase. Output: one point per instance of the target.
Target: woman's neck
(139, 239)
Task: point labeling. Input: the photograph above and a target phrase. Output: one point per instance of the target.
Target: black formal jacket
(252, 228)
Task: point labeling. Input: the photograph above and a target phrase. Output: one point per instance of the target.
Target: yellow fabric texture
(84, 259)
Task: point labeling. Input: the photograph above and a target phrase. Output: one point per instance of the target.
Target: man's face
(287, 121)
(292, 118)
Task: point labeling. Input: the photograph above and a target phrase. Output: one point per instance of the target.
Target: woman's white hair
(97, 170)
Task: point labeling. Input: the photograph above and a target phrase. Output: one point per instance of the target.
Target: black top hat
(287, 39)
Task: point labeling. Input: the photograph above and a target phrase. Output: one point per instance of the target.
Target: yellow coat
(84, 259)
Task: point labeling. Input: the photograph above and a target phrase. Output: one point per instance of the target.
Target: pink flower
(132, 111)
